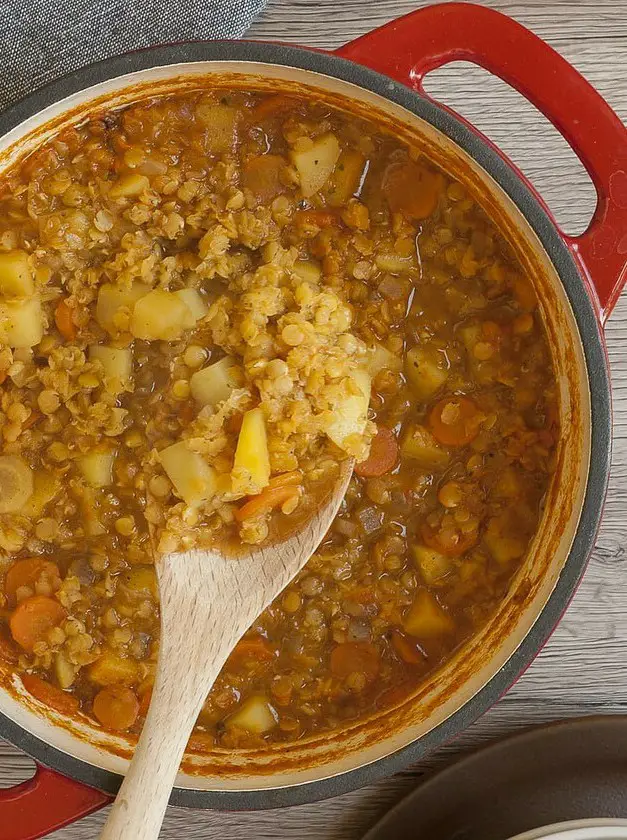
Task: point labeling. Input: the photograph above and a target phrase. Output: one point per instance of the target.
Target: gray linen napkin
(43, 39)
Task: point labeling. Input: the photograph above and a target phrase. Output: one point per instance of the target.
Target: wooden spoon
(208, 601)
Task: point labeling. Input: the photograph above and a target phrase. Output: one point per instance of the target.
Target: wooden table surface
(583, 669)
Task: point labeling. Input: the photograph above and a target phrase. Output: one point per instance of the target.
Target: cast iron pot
(577, 280)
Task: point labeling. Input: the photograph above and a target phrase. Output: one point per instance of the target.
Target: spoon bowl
(208, 601)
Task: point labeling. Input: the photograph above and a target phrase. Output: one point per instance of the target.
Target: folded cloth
(43, 39)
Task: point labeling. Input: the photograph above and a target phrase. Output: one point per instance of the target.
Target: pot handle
(408, 48)
(44, 803)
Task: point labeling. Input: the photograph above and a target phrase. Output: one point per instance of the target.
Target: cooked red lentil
(206, 302)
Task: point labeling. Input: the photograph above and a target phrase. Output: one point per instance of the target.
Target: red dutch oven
(578, 280)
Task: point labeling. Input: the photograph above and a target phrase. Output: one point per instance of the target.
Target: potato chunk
(215, 383)
(111, 669)
(220, 123)
(315, 165)
(117, 364)
(255, 715)
(383, 359)
(251, 470)
(426, 371)
(418, 443)
(347, 177)
(160, 315)
(433, 566)
(503, 539)
(194, 302)
(16, 275)
(129, 186)
(16, 483)
(112, 299)
(141, 579)
(350, 414)
(46, 486)
(97, 467)
(21, 323)
(426, 619)
(193, 479)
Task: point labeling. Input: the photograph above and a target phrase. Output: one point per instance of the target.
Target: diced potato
(508, 484)
(220, 123)
(418, 443)
(350, 415)
(215, 383)
(111, 669)
(129, 186)
(97, 467)
(141, 579)
(21, 323)
(307, 270)
(46, 486)
(117, 364)
(16, 275)
(426, 371)
(255, 715)
(64, 671)
(89, 511)
(160, 315)
(426, 619)
(503, 539)
(16, 483)
(395, 264)
(433, 566)
(193, 479)
(251, 469)
(383, 359)
(346, 177)
(194, 302)
(112, 299)
(316, 164)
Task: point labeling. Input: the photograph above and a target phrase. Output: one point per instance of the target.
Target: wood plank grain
(582, 669)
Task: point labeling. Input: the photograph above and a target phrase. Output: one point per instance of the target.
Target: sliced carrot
(383, 455)
(33, 618)
(27, 572)
(455, 421)
(254, 649)
(267, 500)
(273, 106)
(116, 707)
(262, 176)
(451, 543)
(408, 649)
(411, 189)
(64, 322)
(50, 695)
(355, 657)
(320, 218)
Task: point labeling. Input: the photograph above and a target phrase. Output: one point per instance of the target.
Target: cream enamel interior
(479, 660)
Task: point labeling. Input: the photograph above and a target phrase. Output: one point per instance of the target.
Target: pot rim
(588, 324)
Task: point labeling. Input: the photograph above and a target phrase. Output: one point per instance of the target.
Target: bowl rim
(588, 324)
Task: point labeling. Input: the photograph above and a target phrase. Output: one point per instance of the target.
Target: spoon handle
(195, 643)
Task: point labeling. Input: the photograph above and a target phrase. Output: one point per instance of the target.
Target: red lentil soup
(206, 302)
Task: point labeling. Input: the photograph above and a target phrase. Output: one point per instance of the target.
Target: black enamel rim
(593, 345)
